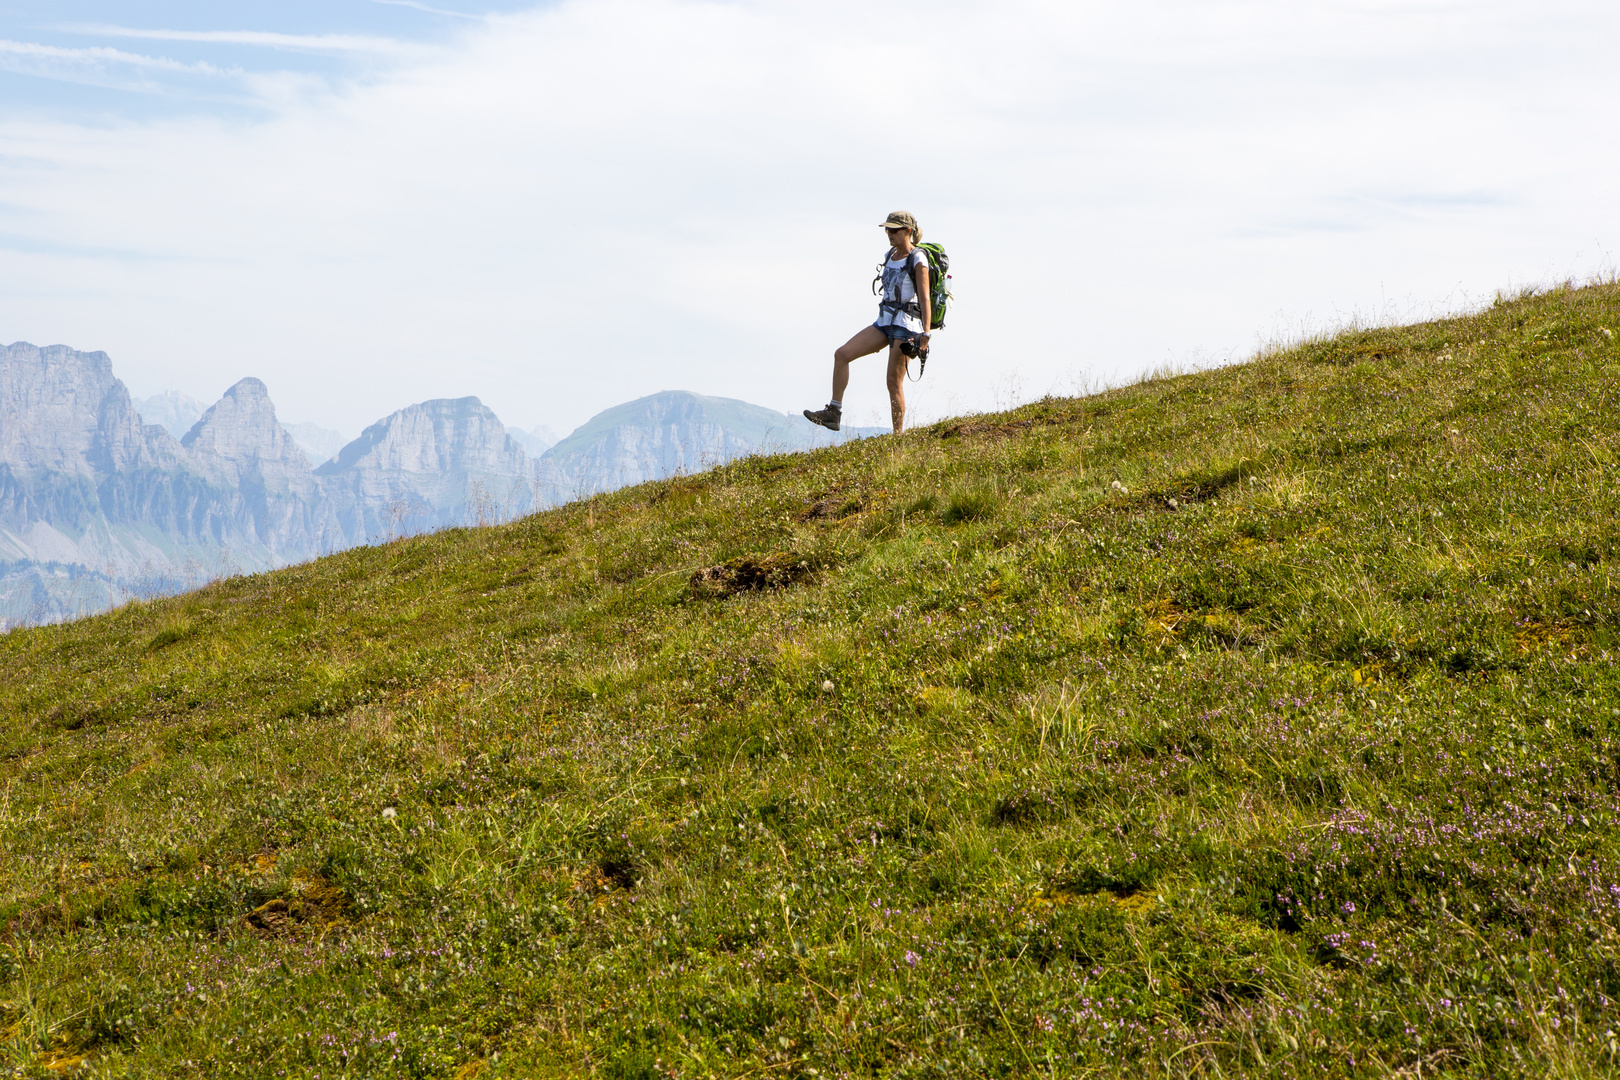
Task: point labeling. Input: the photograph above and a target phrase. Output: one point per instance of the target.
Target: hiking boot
(828, 418)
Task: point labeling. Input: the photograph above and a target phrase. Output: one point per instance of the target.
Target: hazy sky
(368, 203)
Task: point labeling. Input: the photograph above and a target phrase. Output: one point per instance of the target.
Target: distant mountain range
(176, 412)
(103, 498)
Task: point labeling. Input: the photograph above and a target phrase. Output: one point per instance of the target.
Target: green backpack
(939, 283)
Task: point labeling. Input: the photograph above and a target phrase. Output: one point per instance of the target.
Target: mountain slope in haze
(171, 410)
(536, 440)
(1257, 722)
(318, 442)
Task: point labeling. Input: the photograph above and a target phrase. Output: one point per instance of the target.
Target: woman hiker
(902, 323)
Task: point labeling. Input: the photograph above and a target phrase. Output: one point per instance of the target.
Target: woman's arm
(920, 272)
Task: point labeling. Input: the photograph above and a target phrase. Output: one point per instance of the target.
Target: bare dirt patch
(962, 429)
(315, 902)
(832, 507)
(752, 573)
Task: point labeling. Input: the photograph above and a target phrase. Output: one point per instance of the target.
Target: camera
(912, 347)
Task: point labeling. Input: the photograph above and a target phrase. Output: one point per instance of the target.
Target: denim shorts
(898, 333)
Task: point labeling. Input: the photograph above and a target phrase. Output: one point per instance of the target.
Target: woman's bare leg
(865, 343)
(897, 387)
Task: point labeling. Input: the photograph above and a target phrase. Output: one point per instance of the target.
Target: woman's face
(898, 236)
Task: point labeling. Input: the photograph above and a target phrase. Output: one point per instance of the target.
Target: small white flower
(826, 686)
(1119, 487)
(389, 813)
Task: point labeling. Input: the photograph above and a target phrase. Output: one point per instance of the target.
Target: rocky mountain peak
(449, 461)
(444, 435)
(63, 413)
(240, 439)
(50, 407)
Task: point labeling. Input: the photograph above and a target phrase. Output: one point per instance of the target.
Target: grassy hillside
(1262, 721)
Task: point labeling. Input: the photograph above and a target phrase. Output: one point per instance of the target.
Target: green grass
(1262, 721)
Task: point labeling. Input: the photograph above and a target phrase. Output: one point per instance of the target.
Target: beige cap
(900, 220)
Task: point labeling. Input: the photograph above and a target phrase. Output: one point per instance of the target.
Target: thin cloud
(430, 10)
(340, 43)
(116, 69)
(101, 55)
